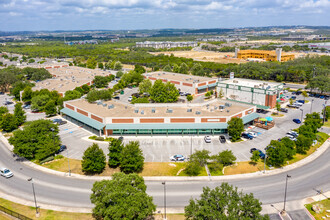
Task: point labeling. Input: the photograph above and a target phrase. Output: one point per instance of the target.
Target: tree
(132, 158)
(19, 114)
(221, 94)
(139, 69)
(158, 92)
(100, 65)
(119, 74)
(176, 68)
(255, 156)
(278, 107)
(172, 92)
(27, 94)
(38, 102)
(93, 160)
(36, 140)
(197, 69)
(145, 86)
(200, 157)
(307, 131)
(73, 94)
(94, 95)
(101, 81)
(304, 93)
(314, 120)
(290, 146)
(235, 128)
(108, 65)
(91, 63)
(167, 68)
(8, 122)
(3, 110)
(303, 144)
(50, 108)
(193, 168)
(276, 153)
(183, 68)
(225, 157)
(118, 66)
(224, 202)
(321, 82)
(86, 88)
(291, 101)
(123, 197)
(115, 153)
(190, 98)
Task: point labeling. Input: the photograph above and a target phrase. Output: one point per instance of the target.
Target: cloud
(162, 13)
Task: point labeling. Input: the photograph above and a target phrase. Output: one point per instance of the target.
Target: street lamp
(312, 105)
(302, 114)
(52, 129)
(286, 187)
(324, 107)
(67, 154)
(34, 195)
(265, 162)
(164, 198)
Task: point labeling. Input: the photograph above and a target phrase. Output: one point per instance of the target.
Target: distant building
(304, 38)
(81, 42)
(260, 93)
(194, 85)
(264, 54)
(165, 44)
(224, 39)
(319, 45)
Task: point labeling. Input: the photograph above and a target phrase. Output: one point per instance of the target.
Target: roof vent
(142, 112)
(169, 111)
(105, 105)
(136, 111)
(227, 104)
(153, 110)
(189, 110)
(111, 106)
(198, 112)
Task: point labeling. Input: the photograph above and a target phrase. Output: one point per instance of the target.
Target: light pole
(190, 147)
(164, 198)
(312, 105)
(52, 129)
(34, 195)
(286, 187)
(302, 114)
(324, 105)
(265, 162)
(67, 154)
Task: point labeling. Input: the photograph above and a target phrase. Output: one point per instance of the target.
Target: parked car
(62, 122)
(301, 101)
(293, 133)
(222, 139)
(261, 154)
(298, 92)
(116, 97)
(26, 106)
(177, 157)
(253, 134)
(207, 139)
(297, 121)
(326, 97)
(7, 103)
(62, 148)
(292, 106)
(56, 120)
(6, 172)
(263, 111)
(293, 97)
(285, 110)
(322, 97)
(130, 98)
(252, 149)
(247, 136)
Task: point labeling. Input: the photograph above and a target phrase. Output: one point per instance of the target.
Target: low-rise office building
(118, 118)
(166, 44)
(277, 55)
(260, 93)
(195, 85)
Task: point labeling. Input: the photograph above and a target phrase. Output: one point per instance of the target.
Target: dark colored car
(252, 149)
(62, 148)
(326, 97)
(284, 110)
(292, 106)
(116, 97)
(322, 97)
(56, 120)
(247, 136)
(121, 138)
(222, 139)
(261, 154)
(317, 95)
(62, 122)
(298, 93)
(301, 101)
(296, 120)
(293, 97)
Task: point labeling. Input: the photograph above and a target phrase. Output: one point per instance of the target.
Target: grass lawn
(4, 216)
(298, 157)
(244, 167)
(326, 206)
(327, 124)
(277, 115)
(30, 212)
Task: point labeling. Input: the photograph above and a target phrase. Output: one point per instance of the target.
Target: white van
(6, 172)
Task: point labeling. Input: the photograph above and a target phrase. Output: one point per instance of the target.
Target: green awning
(168, 126)
(282, 95)
(212, 85)
(250, 117)
(262, 107)
(82, 118)
(202, 87)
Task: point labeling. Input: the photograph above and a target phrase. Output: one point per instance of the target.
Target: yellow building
(264, 54)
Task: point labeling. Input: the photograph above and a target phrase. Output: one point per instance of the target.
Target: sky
(37, 15)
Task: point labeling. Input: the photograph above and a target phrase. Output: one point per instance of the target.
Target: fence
(14, 214)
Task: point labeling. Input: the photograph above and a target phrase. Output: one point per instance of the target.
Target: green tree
(255, 156)
(118, 66)
(3, 110)
(314, 120)
(307, 131)
(158, 92)
(276, 153)
(221, 94)
(139, 69)
(50, 108)
(183, 68)
(303, 144)
(36, 140)
(278, 107)
(94, 95)
(8, 122)
(176, 68)
(225, 157)
(19, 114)
(145, 86)
(119, 74)
(91, 63)
(94, 160)
(100, 65)
(115, 152)
(304, 93)
(167, 68)
(73, 94)
(132, 158)
(235, 128)
(190, 98)
(108, 65)
(290, 146)
(193, 168)
(200, 157)
(197, 69)
(123, 197)
(101, 81)
(86, 88)
(38, 102)
(224, 202)
(27, 94)
(172, 93)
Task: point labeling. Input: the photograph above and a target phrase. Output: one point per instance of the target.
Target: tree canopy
(235, 128)
(132, 159)
(94, 160)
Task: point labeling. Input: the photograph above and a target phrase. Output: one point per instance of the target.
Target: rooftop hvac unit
(235, 81)
(169, 111)
(215, 107)
(228, 110)
(268, 87)
(189, 110)
(153, 110)
(142, 112)
(227, 104)
(136, 110)
(104, 105)
(198, 112)
(99, 103)
(222, 106)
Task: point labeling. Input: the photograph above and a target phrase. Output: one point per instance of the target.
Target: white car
(6, 172)
(130, 98)
(253, 134)
(177, 157)
(207, 139)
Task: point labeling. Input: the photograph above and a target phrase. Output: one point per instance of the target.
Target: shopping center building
(118, 118)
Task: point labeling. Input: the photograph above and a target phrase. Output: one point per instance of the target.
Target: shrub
(93, 160)
(92, 137)
(59, 156)
(47, 159)
(99, 139)
(192, 169)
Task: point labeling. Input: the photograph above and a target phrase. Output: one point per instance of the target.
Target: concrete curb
(287, 168)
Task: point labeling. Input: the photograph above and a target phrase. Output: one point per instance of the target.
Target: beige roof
(179, 77)
(123, 110)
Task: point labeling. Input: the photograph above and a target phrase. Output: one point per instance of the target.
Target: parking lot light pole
(164, 199)
(312, 106)
(34, 195)
(67, 154)
(302, 114)
(286, 187)
(265, 162)
(52, 129)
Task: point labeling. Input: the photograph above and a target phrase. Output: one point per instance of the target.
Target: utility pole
(67, 154)
(34, 195)
(164, 183)
(265, 162)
